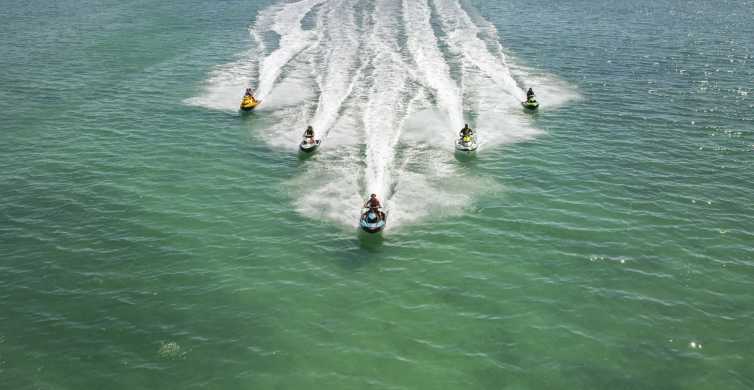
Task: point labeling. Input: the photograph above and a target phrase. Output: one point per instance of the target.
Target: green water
(153, 238)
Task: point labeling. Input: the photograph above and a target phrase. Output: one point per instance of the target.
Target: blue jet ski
(371, 222)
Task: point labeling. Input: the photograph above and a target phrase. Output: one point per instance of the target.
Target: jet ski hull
(307, 147)
(248, 106)
(466, 146)
(530, 105)
(370, 224)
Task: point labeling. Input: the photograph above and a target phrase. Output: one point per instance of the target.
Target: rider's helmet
(373, 196)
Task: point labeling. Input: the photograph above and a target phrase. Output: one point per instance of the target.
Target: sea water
(152, 237)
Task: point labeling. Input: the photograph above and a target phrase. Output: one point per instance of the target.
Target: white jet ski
(466, 143)
(309, 145)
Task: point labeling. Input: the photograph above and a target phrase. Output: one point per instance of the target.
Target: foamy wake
(386, 84)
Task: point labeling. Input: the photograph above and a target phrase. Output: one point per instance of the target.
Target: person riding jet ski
(530, 95)
(309, 135)
(372, 220)
(466, 131)
(249, 102)
(531, 102)
(249, 96)
(309, 144)
(466, 141)
(373, 204)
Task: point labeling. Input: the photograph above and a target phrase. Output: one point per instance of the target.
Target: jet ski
(309, 145)
(249, 103)
(531, 103)
(370, 222)
(467, 143)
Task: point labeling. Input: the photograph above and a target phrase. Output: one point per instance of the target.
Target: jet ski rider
(373, 204)
(529, 95)
(309, 135)
(249, 93)
(466, 131)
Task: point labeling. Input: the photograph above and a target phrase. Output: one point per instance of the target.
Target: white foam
(289, 92)
(334, 76)
(491, 88)
(329, 188)
(293, 40)
(381, 120)
(224, 89)
(465, 36)
(551, 91)
(432, 66)
(388, 108)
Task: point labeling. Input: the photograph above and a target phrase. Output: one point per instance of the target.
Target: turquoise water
(152, 237)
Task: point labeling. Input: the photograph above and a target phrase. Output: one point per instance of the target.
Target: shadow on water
(532, 113)
(465, 156)
(366, 249)
(247, 117)
(371, 242)
(303, 156)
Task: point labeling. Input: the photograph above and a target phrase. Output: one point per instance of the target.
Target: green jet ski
(531, 103)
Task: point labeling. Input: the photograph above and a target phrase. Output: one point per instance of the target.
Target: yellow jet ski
(249, 103)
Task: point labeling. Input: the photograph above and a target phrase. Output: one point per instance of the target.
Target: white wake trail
(386, 98)
(293, 39)
(488, 85)
(225, 86)
(430, 61)
(387, 93)
(464, 35)
(335, 76)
